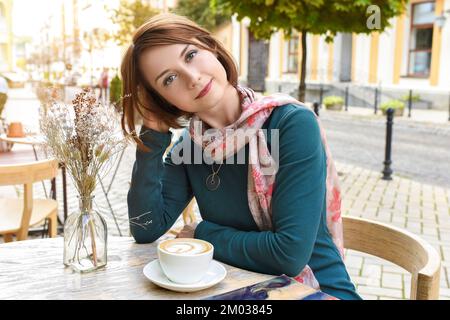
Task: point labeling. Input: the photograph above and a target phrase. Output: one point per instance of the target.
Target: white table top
(28, 139)
(34, 269)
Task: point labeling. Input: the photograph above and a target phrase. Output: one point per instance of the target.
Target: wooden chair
(399, 247)
(188, 215)
(17, 215)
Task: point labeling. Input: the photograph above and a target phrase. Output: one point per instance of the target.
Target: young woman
(273, 215)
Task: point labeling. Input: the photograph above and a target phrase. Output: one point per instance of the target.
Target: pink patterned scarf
(255, 111)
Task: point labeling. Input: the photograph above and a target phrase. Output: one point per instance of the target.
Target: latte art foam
(185, 247)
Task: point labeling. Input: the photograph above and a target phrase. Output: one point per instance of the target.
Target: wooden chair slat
(400, 247)
(28, 172)
(17, 215)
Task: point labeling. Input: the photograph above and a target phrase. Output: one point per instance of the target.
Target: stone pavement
(420, 208)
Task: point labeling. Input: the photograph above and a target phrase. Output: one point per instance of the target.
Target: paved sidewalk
(418, 115)
(436, 119)
(422, 209)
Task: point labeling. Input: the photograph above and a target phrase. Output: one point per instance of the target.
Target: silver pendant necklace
(213, 180)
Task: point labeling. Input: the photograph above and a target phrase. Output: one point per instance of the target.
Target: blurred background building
(412, 54)
(71, 42)
(6, 35)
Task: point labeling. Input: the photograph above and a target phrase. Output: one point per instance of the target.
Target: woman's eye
(166, 82)
(189, 56)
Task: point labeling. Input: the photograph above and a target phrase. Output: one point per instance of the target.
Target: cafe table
(33, 269)
(32, 140)
(29, 139)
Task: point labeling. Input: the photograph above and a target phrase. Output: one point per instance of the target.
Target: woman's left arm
(297, 204)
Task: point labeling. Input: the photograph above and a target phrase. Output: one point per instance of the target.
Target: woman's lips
(205, 90)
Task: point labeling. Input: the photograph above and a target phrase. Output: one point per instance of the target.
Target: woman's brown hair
(162, 29)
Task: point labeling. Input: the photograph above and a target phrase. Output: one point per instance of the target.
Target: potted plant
(414, 97)
(15, 130)
(397, 105)
(333, 103)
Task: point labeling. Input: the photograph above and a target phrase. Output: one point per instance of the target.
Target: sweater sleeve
(159, 190)
(297, 204)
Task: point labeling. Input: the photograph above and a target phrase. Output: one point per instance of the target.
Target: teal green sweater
(160, 191)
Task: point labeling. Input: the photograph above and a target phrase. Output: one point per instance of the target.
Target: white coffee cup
(185, 260)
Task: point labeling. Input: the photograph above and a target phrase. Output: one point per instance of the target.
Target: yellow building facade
(6, 35)
(414, 53)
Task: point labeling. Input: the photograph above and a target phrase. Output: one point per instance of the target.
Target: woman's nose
(194, 79)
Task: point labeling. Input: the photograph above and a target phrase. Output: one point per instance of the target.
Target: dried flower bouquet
(84, 137)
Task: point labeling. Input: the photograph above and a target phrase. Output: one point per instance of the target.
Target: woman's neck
(226, 113)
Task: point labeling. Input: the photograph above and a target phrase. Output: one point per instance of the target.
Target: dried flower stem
(94, 248)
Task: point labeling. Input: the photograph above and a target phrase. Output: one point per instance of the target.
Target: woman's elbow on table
(291, 269)
(144, 237)
(293, 258)
(288, 267)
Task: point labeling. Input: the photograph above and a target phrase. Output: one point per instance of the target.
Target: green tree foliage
(115, 91)
(207, 13)
(324, 17)
(313, 16)
(128, 17)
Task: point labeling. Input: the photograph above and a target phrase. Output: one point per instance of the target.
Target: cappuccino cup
(185, 260)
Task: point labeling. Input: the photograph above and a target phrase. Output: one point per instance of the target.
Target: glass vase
(85, 238)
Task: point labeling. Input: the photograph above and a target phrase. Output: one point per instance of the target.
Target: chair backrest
(27, 174)
(400, 247)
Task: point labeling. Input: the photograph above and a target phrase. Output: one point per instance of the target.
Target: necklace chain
(216, 172)
(213, 180)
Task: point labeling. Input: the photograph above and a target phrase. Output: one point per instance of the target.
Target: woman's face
(179, 72)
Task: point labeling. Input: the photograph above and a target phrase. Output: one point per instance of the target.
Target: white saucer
(214, 275)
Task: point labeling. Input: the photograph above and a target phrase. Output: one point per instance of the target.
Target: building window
(421, 39)
(291, 56)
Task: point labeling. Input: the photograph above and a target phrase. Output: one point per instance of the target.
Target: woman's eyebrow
(167, 70)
